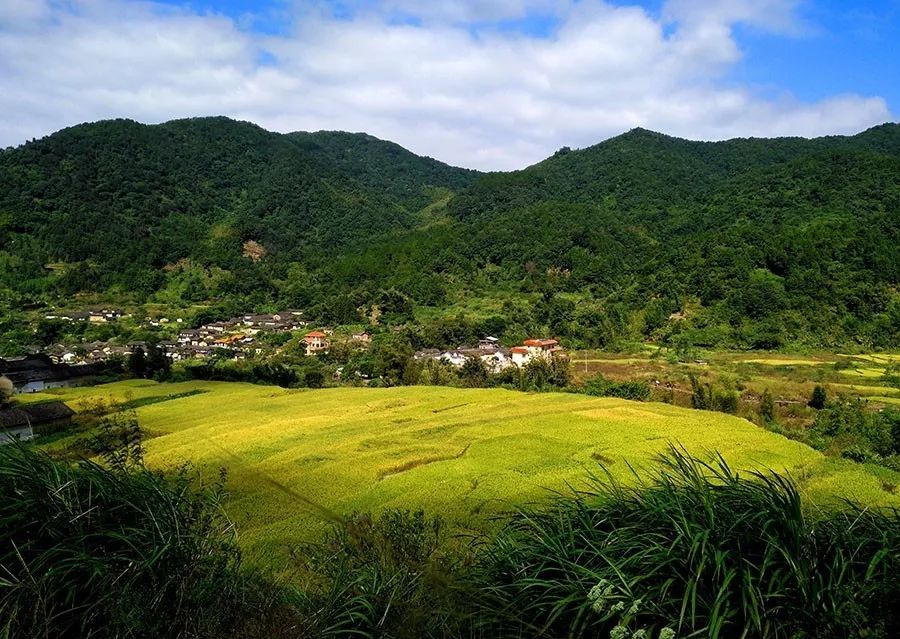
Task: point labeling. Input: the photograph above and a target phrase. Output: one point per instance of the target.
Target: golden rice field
(771, 361)
(295, 457)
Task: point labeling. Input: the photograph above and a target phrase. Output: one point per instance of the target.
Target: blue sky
(848, 47)
(482, 83)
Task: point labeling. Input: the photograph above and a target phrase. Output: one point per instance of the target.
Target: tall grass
(89, 551)
(694, 551)
(391, 575)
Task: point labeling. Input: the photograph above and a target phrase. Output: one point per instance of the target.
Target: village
(235, 338)
(248, 336)
(241, 337)
(90, 363)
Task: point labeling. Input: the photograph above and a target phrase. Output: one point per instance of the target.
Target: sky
(486, 84)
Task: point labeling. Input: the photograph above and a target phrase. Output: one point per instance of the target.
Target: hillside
(293, 456)
(118, 200)
(746, 243)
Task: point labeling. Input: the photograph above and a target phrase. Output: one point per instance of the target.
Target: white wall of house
(22, 432)
(40, 385)
(520, 359)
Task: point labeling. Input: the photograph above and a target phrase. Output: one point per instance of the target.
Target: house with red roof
(315, 342)
(534, 348)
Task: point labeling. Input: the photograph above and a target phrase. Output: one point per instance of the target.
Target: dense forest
(747, 243)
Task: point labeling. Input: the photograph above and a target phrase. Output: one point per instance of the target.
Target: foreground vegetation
(693, 549)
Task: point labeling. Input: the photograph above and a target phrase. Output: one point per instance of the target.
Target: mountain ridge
(635, 132)
(764, 242)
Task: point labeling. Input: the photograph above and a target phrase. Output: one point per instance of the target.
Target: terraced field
(298, 457)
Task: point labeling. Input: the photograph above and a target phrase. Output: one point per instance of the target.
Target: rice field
(783, 362)
(296, 458)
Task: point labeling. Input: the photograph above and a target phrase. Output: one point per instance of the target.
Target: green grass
(297, 457)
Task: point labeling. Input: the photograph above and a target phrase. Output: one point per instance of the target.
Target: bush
(818, 398)
(473, 373)
(856, 432)
(314, 378)
(602, 387)
(767, 407)
(542, 373)
(437, 372)
(703, 397)
(696, 550)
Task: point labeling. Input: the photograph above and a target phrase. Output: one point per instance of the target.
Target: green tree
(393, 356)
(819, 398)
(158, 365)
(7, 391)
(314, 378)
(767, 407)
(473, 373)
(137, 362)
(436, 373)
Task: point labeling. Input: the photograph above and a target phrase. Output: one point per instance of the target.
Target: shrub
(767, 407)
(696, 550)
(118, 441)
(848, 424)
(437, 373)
(703, 397)
(474, 373)
(818, 398)
(545, 373)
(603, 387)
(314, 378)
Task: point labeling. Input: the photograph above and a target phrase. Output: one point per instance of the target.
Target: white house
(534, 348)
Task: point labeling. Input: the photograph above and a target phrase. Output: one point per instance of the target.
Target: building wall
(22, 432)
(40, 385)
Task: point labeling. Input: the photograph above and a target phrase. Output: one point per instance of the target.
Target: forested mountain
(749, 243)
(125, 199)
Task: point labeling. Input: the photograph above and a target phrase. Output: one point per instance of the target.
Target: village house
(35, 373)
(95, 316)
(103, 315)
(455, 358)
(497, 360)
(281, 321)
(361, 338)
(156, 322)
(25, 422)
(426, 354)
(315, 342)
(489, 343)
(534, 348)
(488, 351)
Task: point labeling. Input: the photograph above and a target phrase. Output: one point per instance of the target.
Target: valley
(297, 460)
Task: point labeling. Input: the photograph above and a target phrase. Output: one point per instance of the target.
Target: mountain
(135, 198)
(748, 242)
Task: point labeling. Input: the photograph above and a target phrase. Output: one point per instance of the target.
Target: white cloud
(779, 16)
(494, 99)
